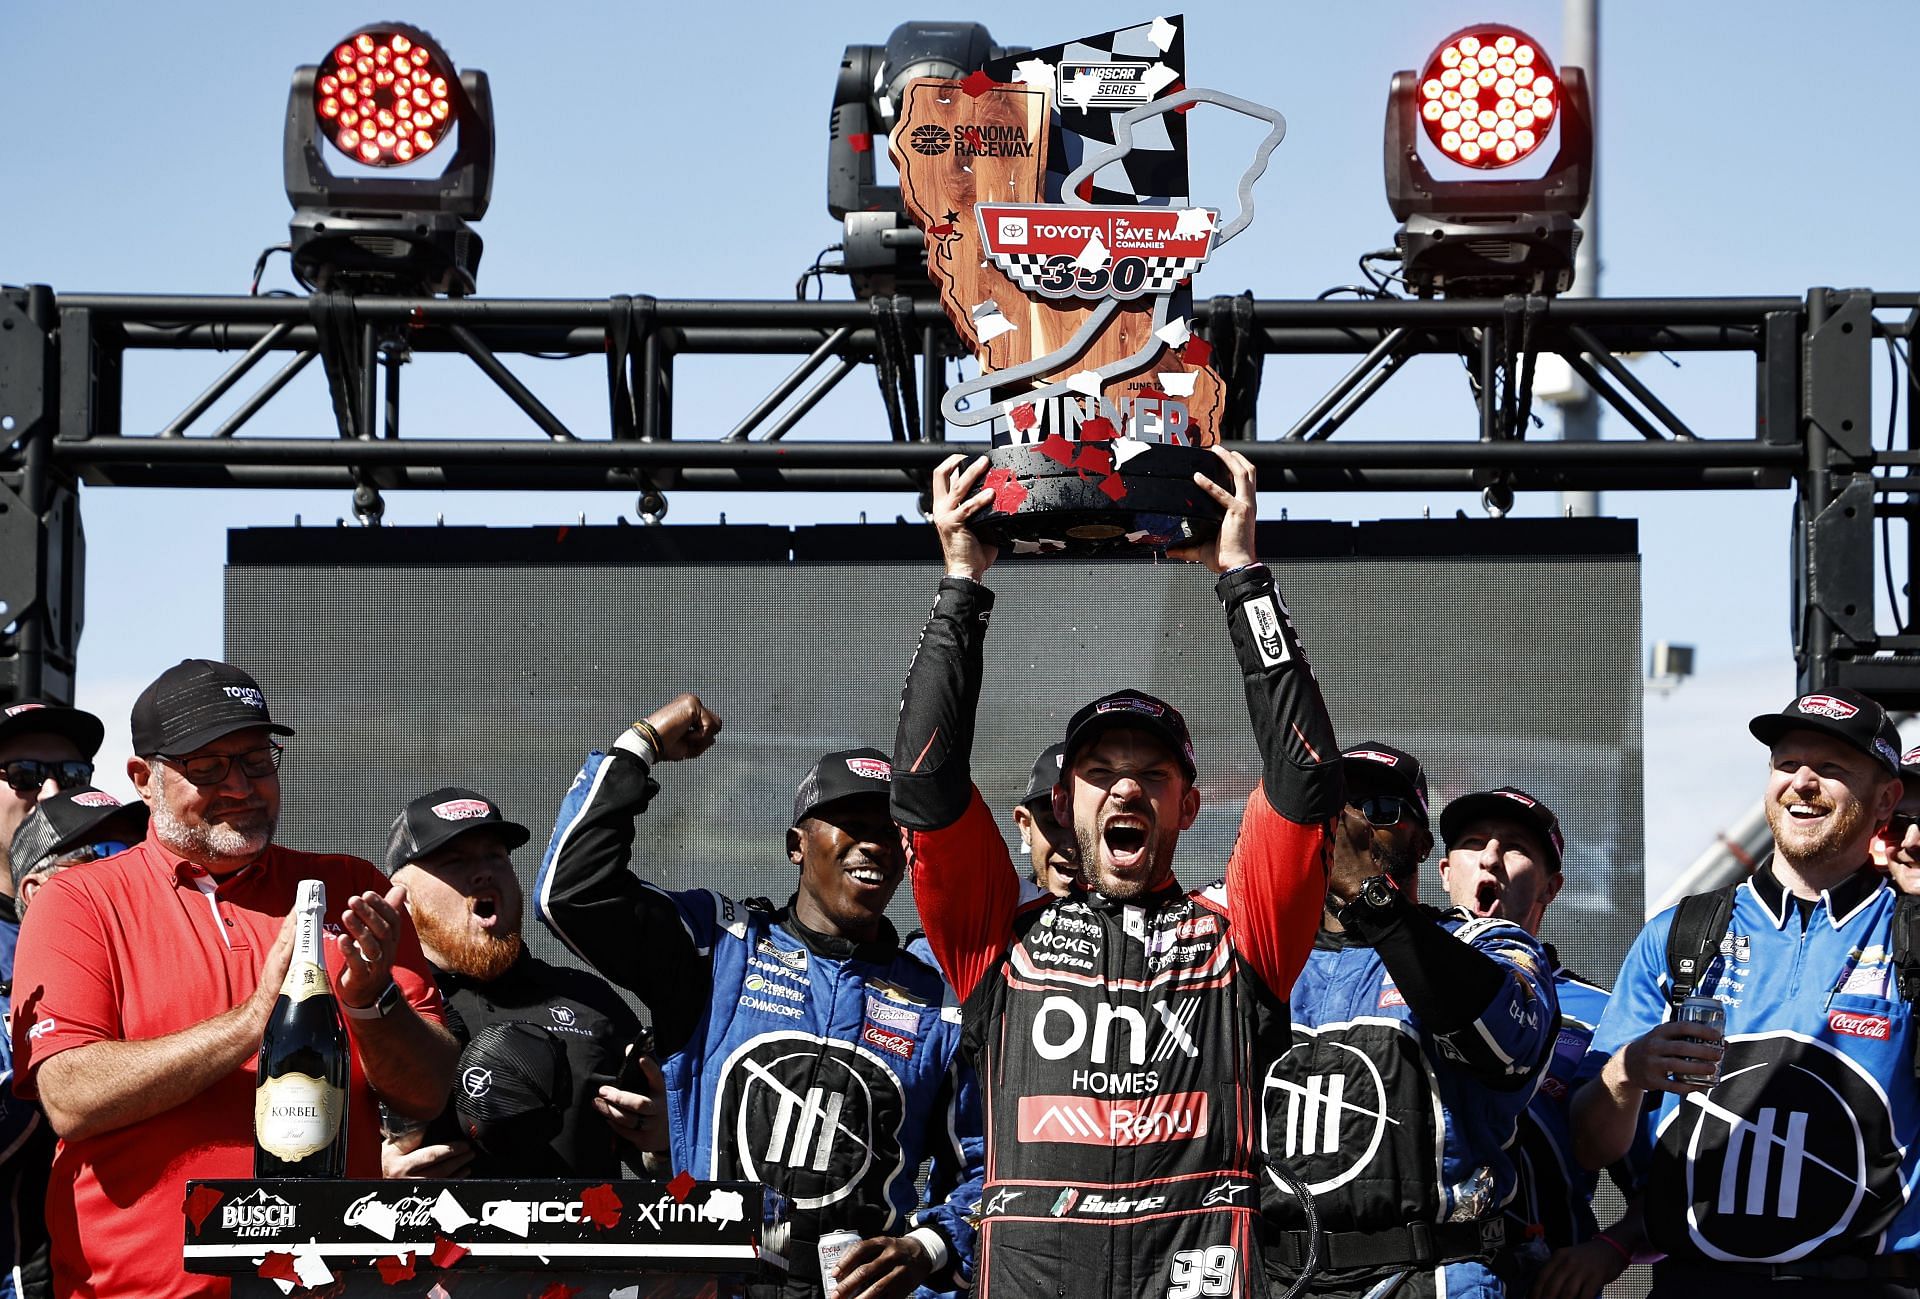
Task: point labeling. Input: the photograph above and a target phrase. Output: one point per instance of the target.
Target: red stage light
(1487, 96)
(382, 97)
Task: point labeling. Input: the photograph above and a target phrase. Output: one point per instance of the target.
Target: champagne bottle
(300, 1098)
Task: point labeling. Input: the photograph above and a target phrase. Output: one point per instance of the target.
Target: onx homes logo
(257, 1215)
(1793, 1148)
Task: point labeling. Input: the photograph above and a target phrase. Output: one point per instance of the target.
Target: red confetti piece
(1098, 429)
(1055, 447)
(559, 1291)
(1093, 461)
(201, 1203)
(1008, 493)
(1085, 190)
(278, 1266)
(447, 1252)
(860, 143)
(1114, 487)
(1198, 351)
(602, 1206)
(942, 230)
(1023, 417)
(395, 1268)
(681, 1186)
(977, 84)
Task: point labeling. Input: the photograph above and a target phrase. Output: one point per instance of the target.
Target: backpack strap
(1699, 923)
(1906, 957)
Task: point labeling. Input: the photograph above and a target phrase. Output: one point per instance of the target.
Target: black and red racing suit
(1115, 1042)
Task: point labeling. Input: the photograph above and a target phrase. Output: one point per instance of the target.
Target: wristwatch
(384, 1005)
(1371, 904)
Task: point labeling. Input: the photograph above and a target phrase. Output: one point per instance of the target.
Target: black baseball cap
(512, 1087)
(32, 716)
(844, 773)
(1137, 709)
(195, 702)
(1847, 715)
(1046, 774)
(447, 813)
(1507, 803)
(74, 818)
(1393, 766)
(1910, 770)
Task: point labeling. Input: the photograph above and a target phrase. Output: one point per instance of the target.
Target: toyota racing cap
(33, 716)
(1847, 715)
(1507, 803)
(73, 818)
(1046, 774)
(433, 819)
(845, 773)
(194, 703)
(1395, 767)
(1133, 708)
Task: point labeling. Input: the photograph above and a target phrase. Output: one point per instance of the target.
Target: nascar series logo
(1095, 252)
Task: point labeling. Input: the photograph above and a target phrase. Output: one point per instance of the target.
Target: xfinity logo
(666, 1209)
(1061, 1029)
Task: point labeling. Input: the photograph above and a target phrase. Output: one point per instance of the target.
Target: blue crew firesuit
(824, 1068)
(1403, 1129)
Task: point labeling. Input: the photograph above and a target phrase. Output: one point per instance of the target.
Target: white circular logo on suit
(816, 1118)
(562, 1015)
(1792, 1149)
(477, 1081)
(1328, 1108)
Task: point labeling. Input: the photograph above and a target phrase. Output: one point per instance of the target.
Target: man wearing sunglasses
(145, 982)
(1418, 1036)
(44, 748)
(1899, 844)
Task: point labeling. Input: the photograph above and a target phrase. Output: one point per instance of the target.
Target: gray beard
(209, 845)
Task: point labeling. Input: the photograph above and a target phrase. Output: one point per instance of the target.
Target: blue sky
(680, 151)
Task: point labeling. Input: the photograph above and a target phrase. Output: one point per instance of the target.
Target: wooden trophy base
(1068, 497)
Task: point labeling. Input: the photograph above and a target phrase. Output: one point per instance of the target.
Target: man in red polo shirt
(144, 984)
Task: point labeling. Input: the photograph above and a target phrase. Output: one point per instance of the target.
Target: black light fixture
(884, 252)
(1489, 99)
(388, 97)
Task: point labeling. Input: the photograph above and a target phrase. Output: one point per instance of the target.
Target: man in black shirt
(451, 848)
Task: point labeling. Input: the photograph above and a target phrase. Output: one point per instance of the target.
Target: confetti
(557, 1290)
(1125, 449)
(278, 1266)
(311, 1269)
(990, 323)
(513, 1216)
(1157, 78)
(1193, 221)
(395, 1268)
(682, 1184)
(1034, 72)
(380, 1219)
(1023, 417)
(447, 1252)
(1161, 34)
(1175, 332)
(860, 142)
(202, 1202)
(1008, 491)
(1094, 255)
(1086, 382)
(601, 1205)
(1177, 384)
(1098, 429)
(977, 84)
(1114, 486)
(1198, 351)
(448, 1215)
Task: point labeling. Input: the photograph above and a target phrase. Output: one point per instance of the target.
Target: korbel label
(296, 1115)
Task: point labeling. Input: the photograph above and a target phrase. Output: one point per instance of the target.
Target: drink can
(833, 1246)
(1701, 1010)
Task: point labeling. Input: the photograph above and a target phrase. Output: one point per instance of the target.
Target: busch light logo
(1827, 706)
(462, 809)
(259, 1214)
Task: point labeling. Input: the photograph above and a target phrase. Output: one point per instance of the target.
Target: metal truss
(62, 360)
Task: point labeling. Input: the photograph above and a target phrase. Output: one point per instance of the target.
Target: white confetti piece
(1157, 78)
(1086, 382)
(1175, 332)
(513, 1216)
(1094, 255)
(311, 1269)
(1034, 72)
(1193, 221)
(1080, 92)
(448, 1215)
(1125, 449)
(989, 323)
(1161, 34)
(1177, 383)
(379, 1219)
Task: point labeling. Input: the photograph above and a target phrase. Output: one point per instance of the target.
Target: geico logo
(1061, 1029)
(1116, 1084)
(502, 1213)
(1054, 940)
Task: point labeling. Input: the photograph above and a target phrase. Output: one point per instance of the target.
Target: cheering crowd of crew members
(1149, 1056)
(802, 1047)
(144, 982)
(1129, 1018)
(550, 1043)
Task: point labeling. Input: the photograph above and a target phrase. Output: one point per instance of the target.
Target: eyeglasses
(1899, 823)
(29, 774)
(212, 768)
(1383, 810)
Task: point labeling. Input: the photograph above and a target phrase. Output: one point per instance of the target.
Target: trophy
(1052, 188)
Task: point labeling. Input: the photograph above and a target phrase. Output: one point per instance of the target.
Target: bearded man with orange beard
(555, 1034)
